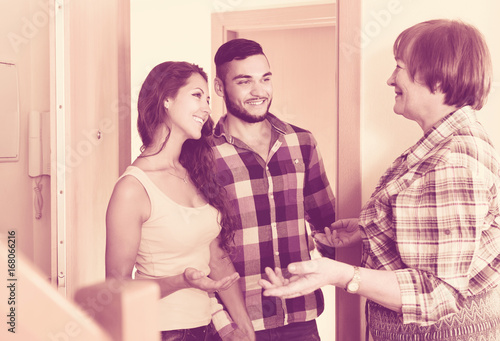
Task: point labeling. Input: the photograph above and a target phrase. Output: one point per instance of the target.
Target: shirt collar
(443, 129)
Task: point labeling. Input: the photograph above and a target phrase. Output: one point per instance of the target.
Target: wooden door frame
(346, 15)
(114, 122)
(349, 310)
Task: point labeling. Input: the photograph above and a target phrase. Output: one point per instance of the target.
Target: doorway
(300, 43)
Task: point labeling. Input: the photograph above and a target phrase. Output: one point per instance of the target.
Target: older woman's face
(412, 97)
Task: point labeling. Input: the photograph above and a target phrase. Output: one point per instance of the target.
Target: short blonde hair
(449, 55)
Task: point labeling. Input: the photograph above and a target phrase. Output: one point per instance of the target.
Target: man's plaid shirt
(434, 218)
(271, 200)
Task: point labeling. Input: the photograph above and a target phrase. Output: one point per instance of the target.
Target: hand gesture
(197, 279)
(342, 233)
(306, 277)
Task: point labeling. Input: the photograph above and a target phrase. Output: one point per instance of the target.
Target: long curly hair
(163, 82)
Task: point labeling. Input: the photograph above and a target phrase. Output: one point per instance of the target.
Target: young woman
(167, 215)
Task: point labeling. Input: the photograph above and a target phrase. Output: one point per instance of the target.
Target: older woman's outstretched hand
(198, 279)
(306, 277)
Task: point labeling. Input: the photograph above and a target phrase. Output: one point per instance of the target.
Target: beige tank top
(173, 238)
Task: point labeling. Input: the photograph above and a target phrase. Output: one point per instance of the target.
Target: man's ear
(219, 86)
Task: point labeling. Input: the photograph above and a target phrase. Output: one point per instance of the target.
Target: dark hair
(234, 49)
(449, 55)
(163, 82)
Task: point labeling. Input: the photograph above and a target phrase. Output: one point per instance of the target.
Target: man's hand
(342, 233)
(198, 279)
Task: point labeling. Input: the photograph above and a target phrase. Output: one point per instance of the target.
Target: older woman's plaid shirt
(271, 200)
(434, 217)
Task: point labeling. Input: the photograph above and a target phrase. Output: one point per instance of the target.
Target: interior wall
(386, 135)
(165, 31)
(24, 40)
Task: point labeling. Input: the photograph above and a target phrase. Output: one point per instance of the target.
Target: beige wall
(24, 40)
(165, 31)
(384, 134)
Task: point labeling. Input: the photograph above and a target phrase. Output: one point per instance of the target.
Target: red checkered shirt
(272, 199)
(434, 218)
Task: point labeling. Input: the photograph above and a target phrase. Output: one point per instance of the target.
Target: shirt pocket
(293, 180)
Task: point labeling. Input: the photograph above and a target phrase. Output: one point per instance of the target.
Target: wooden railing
(108, 311)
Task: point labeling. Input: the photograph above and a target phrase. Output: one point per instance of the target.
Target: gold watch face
(353, 286)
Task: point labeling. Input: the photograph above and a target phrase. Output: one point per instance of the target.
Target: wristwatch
(352, 286)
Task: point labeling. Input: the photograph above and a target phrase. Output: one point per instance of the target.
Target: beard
(242, 113)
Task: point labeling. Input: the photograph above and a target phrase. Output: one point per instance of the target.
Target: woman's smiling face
(190, 108)
(412, 97)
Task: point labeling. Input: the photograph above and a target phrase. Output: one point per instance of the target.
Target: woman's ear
(219, 87)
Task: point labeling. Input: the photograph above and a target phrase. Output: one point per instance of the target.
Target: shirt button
(271, 196)
(276, 253)
(296, 161)
(447, 231)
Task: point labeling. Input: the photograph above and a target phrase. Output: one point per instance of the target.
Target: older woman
(430, 231)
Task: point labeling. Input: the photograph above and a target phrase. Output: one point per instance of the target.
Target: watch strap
(352, 286)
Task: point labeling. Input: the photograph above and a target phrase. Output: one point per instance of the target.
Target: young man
(275, 179)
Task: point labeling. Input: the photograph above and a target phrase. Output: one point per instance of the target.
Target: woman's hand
(381, 286)
(306, 277)
(197, 279)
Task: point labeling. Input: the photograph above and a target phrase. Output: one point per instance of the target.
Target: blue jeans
(299, 331)
(194, 334)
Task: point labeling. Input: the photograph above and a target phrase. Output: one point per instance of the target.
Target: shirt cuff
(410, 308)
(223, 323)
